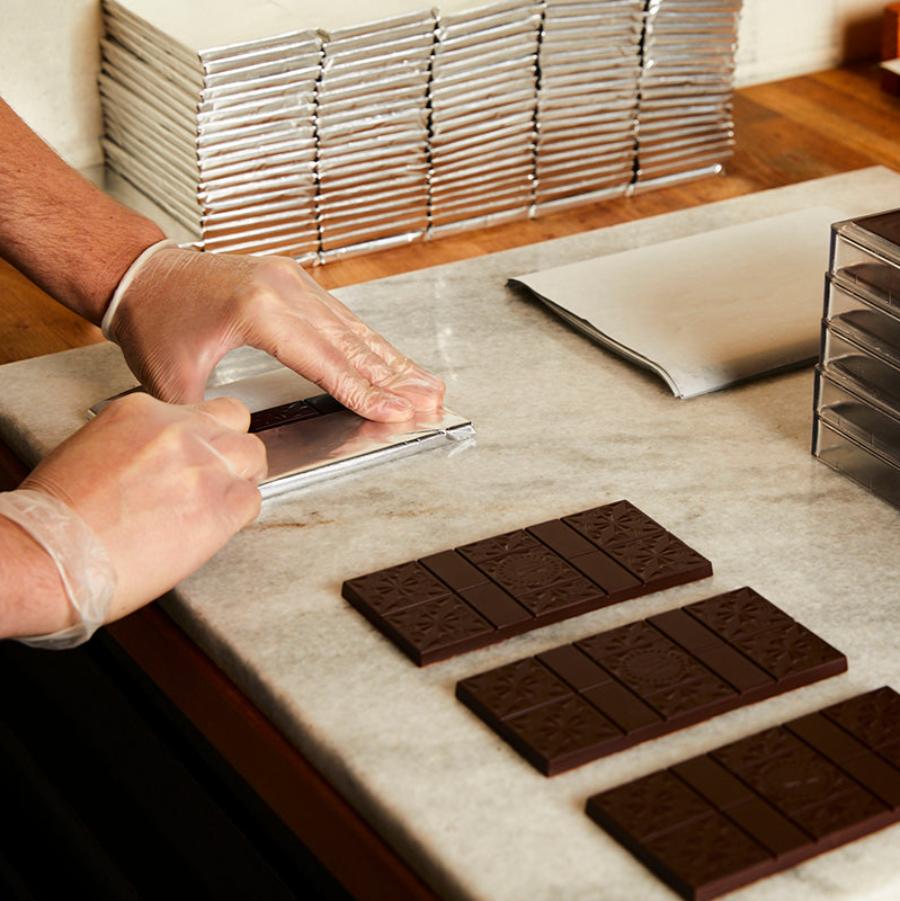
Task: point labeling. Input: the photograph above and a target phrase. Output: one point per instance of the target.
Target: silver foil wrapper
(259, 133)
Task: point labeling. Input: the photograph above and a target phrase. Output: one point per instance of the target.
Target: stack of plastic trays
(857, 398)
(590, 65)
(482, 102)
(213, 118)
(372, 127)
(685, 120)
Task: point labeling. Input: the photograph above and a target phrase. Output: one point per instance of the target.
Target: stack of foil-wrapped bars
(297, 129)
(685, 121)
(590, 67)
(220, 136)
(482, 127)
(857, 397)
(372, 128)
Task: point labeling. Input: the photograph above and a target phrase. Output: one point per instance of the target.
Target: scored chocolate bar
(763, 804)
(296, 411)
(489, 590)
(582, 701)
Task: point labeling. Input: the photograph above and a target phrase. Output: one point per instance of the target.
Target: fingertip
(435, 381)
(382, 406)
(420, 392)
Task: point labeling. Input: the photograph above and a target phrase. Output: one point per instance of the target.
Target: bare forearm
(57, 228)
(32, 599)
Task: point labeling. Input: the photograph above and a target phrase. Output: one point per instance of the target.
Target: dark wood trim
(344, 843)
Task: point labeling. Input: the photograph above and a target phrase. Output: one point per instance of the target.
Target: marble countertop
(562, 426)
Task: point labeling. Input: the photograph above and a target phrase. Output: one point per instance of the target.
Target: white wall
(49, 56)
(780, 38)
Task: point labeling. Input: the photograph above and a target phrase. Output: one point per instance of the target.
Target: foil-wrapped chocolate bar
(314, 132)
(309, 436)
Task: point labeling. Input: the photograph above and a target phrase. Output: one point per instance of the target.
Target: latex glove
(184, 310)
(162, 487)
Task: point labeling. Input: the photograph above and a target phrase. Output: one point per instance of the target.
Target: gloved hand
(161, 487)
(184, 310)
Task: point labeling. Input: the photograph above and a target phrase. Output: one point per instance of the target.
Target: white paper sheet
(706, 311)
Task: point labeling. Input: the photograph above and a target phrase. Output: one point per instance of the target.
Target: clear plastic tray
(854, 415)
(869, 324)
(868, 469)
(862, 372)
(863, 270)
(878, 233)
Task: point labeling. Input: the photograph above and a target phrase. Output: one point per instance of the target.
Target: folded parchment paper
(705, 311)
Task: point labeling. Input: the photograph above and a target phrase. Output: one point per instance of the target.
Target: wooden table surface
(787, 132)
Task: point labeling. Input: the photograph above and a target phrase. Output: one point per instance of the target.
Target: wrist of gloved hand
(109, 315)
(80, 558)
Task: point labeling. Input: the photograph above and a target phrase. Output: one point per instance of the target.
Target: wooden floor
(787, 131)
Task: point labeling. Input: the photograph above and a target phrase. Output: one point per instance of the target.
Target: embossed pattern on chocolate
(650, 678)
(524, 579)
(765, 803)
(295, 411)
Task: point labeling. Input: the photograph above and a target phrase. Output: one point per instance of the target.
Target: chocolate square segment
(454, 570)
(576, 668)
(394, 589)
(526, 578)
(325, 404)
(618, 522)
(664, 673)
(563, 540)
(640, 545)
(284, 414)
(428, 630)
(495, 605)
(563, 734)
(650, 806)
(766, 803)
(513, 689)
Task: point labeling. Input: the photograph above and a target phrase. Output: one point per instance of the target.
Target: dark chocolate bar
(763, 804)
(296, 411)
(489, 590)
(582, 701)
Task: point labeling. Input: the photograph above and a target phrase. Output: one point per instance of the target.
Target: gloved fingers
(227, 411)
(244, 455)
(334, 359)
(424, 389)
(358, 346)
(419, 388)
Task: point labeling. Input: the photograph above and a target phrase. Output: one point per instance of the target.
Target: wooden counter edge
(308, 805)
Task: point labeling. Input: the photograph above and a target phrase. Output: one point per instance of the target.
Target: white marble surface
(562, 426)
